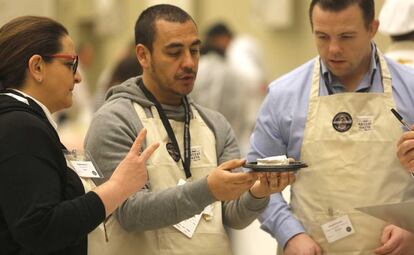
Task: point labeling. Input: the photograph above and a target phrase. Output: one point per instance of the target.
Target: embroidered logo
(196, 153)
(342, 122)
(365, 123)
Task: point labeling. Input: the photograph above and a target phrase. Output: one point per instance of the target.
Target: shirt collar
(366, 82)
(44, 108)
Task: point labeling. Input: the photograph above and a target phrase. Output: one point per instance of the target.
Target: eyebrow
(178, 45)
(346, 32)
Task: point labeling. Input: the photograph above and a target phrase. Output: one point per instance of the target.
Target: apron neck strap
(384, 74)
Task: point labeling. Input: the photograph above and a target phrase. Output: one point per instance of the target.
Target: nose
(189, 60)
(334, 47)
(78, 77)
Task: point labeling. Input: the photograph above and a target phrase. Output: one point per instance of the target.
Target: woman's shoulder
(20, 121)
(23, 132)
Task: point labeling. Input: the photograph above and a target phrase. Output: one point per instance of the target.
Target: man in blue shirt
(334, 114)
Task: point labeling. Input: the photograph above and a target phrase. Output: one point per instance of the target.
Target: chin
(187, 89)
(68, 104)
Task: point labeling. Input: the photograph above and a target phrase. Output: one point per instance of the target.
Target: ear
(143, 55)
(36, 68)
(374, 27)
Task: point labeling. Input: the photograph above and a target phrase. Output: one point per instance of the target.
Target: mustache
(186, 73)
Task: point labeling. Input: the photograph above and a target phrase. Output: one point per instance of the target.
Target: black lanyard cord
(175, 154)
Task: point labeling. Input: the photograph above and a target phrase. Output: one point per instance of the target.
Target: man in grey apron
(334, 114)
(180, 211)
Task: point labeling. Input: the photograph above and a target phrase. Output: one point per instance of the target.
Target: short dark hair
(367, 7)
(20, 39)
(145, 25)
(218, 29)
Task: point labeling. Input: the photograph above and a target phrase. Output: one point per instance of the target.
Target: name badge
(188, 226)
(85, 169)
(338, 229)
(82, 164)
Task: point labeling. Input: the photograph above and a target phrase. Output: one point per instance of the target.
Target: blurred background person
(230, 79)
(246, 62)
(213, 72)
(217, 39)
(126, 68)
(397, 21)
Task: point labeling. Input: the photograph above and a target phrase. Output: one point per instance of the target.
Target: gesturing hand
(131, 173)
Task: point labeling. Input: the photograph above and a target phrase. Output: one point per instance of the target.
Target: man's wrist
(256, 196)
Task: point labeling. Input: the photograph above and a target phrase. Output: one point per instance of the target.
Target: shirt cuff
(279, 222)
(288, 229)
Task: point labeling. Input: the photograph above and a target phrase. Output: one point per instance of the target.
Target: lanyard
(172, 147)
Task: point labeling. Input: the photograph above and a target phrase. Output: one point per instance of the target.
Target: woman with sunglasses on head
(43, 205)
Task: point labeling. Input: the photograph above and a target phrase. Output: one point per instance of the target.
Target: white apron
(348, 169)
(163, 172)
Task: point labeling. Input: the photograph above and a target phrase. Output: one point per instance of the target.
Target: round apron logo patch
(173, 152)
(342, 122)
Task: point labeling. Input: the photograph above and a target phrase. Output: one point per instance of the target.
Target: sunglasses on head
(74, 58)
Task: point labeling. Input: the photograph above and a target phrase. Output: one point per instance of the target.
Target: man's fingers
(243, 186)
(384, 249)
(387, 240)
(318, 250)
(231, 164)
(292, 177)
(240, 178)
(406, 142)
(386, 234)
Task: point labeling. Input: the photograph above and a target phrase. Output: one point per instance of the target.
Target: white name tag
(85, 169)
(188, 226)
(338, 229)
(82, 164)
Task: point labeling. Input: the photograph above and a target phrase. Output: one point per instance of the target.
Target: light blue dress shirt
(281, 123)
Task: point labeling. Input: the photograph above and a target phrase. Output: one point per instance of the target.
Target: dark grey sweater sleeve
(109, 138)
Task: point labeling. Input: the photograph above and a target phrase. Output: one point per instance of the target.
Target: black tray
(293, 166)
